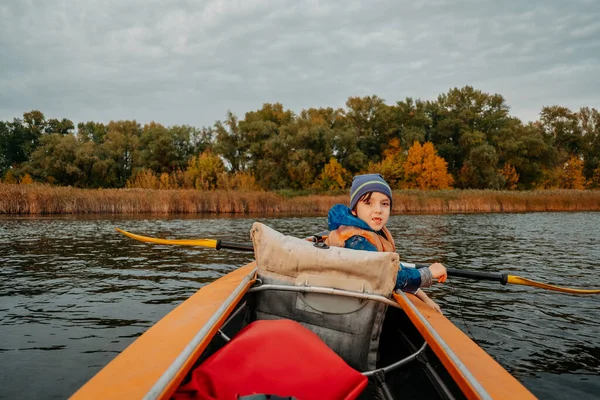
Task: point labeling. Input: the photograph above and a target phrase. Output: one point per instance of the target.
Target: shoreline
(39, 199)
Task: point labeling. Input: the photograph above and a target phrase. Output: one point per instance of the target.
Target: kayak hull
(156, 363)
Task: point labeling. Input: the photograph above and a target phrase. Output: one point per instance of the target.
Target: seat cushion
(275, 357)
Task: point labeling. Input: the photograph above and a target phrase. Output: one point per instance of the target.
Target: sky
(189, 62)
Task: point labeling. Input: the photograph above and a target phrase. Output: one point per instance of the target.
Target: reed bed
(45, 199)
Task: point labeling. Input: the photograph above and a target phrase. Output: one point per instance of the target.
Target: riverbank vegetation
(465, 139)
(46, 199)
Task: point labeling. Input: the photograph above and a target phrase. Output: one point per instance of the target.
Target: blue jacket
(408, 279)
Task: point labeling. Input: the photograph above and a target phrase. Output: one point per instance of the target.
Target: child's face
(375, 212)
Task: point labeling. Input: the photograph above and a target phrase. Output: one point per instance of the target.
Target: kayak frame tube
(165, 381)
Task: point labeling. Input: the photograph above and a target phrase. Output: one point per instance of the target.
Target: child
(362, 227)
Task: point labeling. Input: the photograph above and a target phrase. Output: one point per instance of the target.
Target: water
(74, 293)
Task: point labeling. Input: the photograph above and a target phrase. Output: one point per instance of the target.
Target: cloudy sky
(188, 62)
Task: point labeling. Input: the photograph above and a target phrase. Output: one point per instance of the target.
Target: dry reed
(45, 199)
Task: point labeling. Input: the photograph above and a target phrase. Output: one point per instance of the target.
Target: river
(74, 293)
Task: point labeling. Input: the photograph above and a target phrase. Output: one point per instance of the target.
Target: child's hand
(438, 271)
(433, 305)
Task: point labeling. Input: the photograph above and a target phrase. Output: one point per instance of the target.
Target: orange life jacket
(339, 236)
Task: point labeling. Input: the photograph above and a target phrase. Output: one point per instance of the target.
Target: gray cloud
(187, 62)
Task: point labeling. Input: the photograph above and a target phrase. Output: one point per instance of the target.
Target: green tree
(528, 150)
(91, 131)
(118, 153)
(158, 149)
(231, 143)
(63, 126)
(479, 169)
(461, 112)
(374, 124)
(589, 122)
(561, 126)
(19, 138)
(55, 160)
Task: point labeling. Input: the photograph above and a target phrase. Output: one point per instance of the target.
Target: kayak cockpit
(406, 368)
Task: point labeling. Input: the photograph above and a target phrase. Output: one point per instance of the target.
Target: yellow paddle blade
(517, 280)
(179, 242)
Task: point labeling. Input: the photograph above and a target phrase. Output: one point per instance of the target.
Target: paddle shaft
(487, 276)
(234, 246)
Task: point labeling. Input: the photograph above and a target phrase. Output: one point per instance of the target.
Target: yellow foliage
(333, 176)
(572, 176)
(241, 181)
(204, 170)
(510, 174)
(168, 181)
(9, 177)
(424, 169)
(26, 180)
(145, 179)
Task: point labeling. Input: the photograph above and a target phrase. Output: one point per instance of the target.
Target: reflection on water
(74, 293)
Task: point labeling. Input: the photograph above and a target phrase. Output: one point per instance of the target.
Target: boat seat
(349, 326)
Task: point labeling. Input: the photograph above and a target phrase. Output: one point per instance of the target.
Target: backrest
(349, 326)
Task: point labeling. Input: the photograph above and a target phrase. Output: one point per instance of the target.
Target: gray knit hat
(362, 184)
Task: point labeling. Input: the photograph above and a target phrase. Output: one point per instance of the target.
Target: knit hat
(362, 184)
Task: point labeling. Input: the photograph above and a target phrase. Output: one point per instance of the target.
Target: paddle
(459, 273)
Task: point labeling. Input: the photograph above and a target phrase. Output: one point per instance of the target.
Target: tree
(510, 175)
(589, 122)
(372, 122)
(572, 177)
(594, 182)
(18, 139)
(204, 170)
(118, 153)
(63, 126)
(461, 112)
(424, 169)
(58, 160)
(479, 169)
(26, 180)
(158, 149)
(561, 125)
(391, 165)
(333, 176)
(93, 131)
(231, 144)
(528, 151)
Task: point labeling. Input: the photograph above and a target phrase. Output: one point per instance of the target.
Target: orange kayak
(419, 353)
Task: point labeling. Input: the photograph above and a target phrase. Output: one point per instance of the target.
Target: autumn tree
(424, 169)
(510, 175)
(333, 176)
(204, 170)
(391, 165)
(572, 176)
(143, 179)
